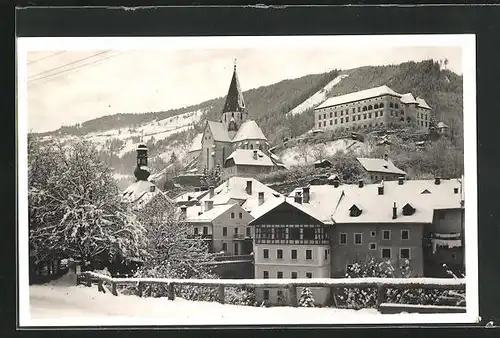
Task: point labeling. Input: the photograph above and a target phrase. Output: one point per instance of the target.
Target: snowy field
(55, 305)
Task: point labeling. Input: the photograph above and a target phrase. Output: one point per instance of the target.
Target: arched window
(364, 108)
(375, 106)
(391, 104)
(381, 105)
(370, 107)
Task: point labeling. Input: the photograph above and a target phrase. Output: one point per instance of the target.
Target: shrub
(306, 298)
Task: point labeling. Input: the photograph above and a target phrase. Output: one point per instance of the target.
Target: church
(236, 144)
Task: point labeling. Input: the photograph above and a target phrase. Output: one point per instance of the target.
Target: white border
(466, 41)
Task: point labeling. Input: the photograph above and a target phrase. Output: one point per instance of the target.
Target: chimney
(437, 181)
(381, 188)
(401, 180)
(211, 190)
(261, 198)
(394, 211)
(298, 197)
(209, 205)
(183, 212)
(152, 188)
(305, 194)
(255, 154)
(360, 183)
(249, 187)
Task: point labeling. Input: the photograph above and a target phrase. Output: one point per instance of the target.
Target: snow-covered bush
(240, 296)
(306, 298)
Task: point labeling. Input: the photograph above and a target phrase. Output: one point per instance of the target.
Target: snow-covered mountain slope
(318, 97)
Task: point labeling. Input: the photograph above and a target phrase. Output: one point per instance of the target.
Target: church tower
(234, 112)
(141, 171)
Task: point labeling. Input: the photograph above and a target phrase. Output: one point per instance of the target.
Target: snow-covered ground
(292, 156)
(56, 304)
(318, 97)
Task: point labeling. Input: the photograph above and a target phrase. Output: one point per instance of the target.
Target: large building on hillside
(381, 169)
(374, 107)
(231, 142)
(322, 230)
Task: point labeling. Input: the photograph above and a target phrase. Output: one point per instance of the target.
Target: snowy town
(363, 212)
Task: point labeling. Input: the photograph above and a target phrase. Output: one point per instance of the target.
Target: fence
(382, 284)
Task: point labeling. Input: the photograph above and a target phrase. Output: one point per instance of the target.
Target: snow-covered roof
(235, 189)
(190, 196)
(332, 204)
(247, 157)
(139, 193)
(196, 144)
(359, 95)
(249, 130)
(379, 165)
(408, 98)
(206, 216)
(442, 125)
(422, 103)
(271, 204)
(218, 131)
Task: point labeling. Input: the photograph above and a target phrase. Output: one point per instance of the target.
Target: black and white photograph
(248, 180)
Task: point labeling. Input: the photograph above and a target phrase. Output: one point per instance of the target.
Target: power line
(67, 64)
(46, 57)
(71, 70)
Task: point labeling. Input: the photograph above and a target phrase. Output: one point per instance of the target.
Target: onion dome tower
(234, 112)
(141, 171)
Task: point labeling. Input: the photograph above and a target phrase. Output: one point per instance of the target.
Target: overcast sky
(66, 87)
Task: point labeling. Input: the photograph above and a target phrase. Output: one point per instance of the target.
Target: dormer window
(425, 192)
(354, 211)
(408, 210)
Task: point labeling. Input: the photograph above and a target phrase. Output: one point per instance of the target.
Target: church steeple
(141, 171)
(234, 112)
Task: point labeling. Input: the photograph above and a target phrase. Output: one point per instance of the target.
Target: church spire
(234, 100)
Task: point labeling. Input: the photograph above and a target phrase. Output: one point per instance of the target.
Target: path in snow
(317, 97)
(55, 304)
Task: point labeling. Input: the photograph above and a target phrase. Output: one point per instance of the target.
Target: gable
(284, 214)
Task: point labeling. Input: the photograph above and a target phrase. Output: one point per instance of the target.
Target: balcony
(239, 236)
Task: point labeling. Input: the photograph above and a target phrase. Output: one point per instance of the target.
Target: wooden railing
(381, 284)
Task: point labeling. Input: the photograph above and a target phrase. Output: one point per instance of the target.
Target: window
(309, 233)
(343, 238)
(376, 114)
(358, 239)
(236, 249)
(279, 254)
(240, 215)
(391, 104)
(341, 113)
(265, 274)
(396, 106)
(335, 114)
(364, 108)
(294, 254)
(265, 233)
(359, 117)
(386, 234)
(331, 122)
(224, 246)
(319, 125)
(224, 231)
(326, 255)
(294, 233)
(294, 275)
(353, 110)
(232, 215)
(341, 120)
(370, 107)
(405, 234)
(364, 116)
(347, 119)
(324, 116)
(331, 115)
(359, 109)
(279, 274)
(381, 113)
(279, 233)
(373, 246)
(236, 231)
(386, 253)
(309, 275)
(309, 254)
(381, 105)
(375, 106)
(369, 115)
(205, 230)
(335, 121)
(266, 253)
(324, 123)
(373, 233)
(249, 231)
(404, 253)
(266, 294)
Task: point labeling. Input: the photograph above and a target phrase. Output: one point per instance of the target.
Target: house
(374, 107)
(418, 220)
(290, 242)
(443, 129)
(322, 163)
(225, 211)
(380, 169)
(145, 198)
(234, 132)
(247, 163)
(190, 198)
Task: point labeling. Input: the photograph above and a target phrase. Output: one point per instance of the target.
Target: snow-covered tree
(74, 206)
(306, 298)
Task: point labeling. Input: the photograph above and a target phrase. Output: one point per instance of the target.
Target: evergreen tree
(306, 298)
